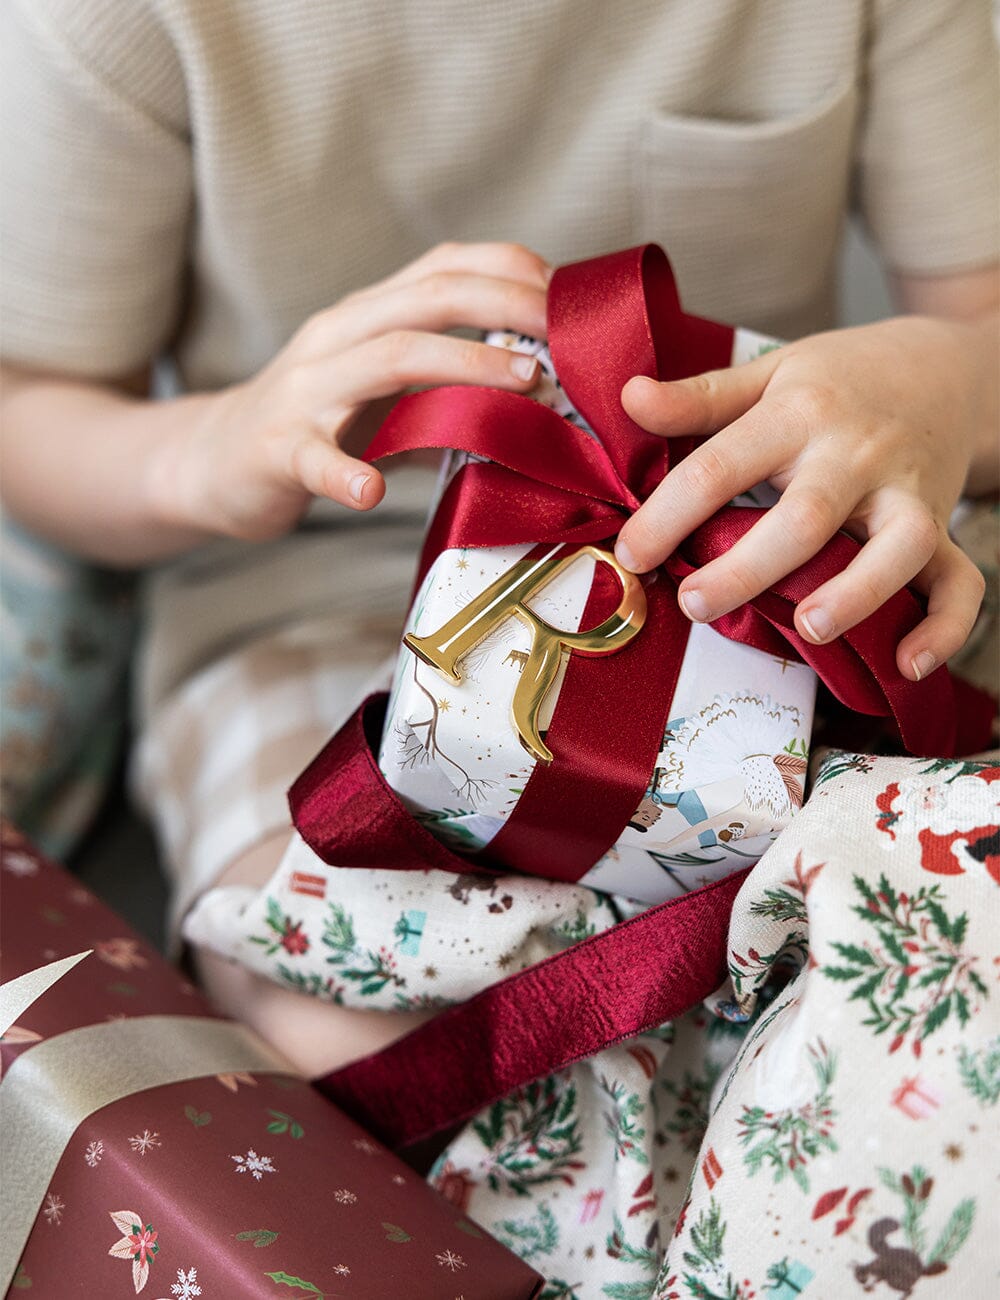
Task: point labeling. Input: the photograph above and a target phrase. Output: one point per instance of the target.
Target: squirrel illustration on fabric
(897, 1266)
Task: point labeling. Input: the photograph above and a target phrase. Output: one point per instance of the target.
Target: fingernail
(357, 486)
(523, 367)
(625, 557)
(922, 664)
(695, 606)
(818, 625)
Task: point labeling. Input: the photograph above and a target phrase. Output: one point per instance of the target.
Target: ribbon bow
(546, 481)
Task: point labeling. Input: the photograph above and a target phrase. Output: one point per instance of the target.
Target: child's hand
(872, 430)
(259, 451)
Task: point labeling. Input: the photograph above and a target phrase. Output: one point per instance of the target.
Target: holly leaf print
(199, 1118)
(259, 1236)
(393, 1232)
(286, 1279)
(282, 1123)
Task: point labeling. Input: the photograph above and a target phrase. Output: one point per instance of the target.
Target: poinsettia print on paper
(138, 1243)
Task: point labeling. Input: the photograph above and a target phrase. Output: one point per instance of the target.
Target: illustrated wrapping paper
(731, 767)
(238, 1183)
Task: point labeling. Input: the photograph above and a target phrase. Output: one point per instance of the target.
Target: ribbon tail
(613, 986)
(347, 813)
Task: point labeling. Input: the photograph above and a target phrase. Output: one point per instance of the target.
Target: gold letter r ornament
(505, 598)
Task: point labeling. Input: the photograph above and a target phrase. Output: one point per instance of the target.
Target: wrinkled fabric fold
(635, 976)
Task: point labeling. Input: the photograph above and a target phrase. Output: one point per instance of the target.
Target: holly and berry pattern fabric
(821, 1132)
(817, 1129)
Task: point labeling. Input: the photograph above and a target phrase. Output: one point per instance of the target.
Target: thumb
(701, 405)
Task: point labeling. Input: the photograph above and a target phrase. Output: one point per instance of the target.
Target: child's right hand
(258, 452)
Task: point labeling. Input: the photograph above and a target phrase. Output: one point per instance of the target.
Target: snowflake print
(53, 1209)
(186, 1287)
(144, 1141)
(366, 1145)
(341, 1270)
(254, 1165)
(344, 1197)
(449, 1260)
(94, 1153)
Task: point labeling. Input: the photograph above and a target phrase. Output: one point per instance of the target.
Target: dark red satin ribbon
(637, 975)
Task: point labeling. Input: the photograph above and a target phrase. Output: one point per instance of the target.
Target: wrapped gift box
(731, 768)
(151, 1147)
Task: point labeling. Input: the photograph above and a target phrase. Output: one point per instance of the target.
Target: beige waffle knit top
(201, 175)
(198, 176)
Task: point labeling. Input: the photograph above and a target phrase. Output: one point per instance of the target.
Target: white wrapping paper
(732, 764)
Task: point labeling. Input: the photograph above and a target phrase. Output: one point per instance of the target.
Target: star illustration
(444, 705)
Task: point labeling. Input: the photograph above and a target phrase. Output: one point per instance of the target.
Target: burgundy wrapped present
(150, 1146)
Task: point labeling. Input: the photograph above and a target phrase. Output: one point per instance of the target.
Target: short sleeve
(928, 180)
(96, 201)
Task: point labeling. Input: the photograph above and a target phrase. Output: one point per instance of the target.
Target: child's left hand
(874, 430)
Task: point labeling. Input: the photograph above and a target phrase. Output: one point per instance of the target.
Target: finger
(886, 562)
(438, 301)
(735, 459)
(504, 260)
(954, 588)
(808, 514)
(702, 404)
(325, 471)
(403, 359)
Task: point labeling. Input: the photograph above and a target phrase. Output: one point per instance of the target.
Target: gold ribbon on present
(56, 1084)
